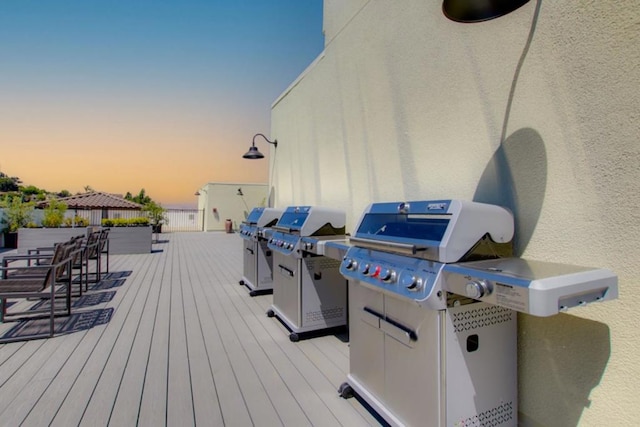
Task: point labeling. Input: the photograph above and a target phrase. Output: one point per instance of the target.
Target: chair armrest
(38, 250)
(11, 258)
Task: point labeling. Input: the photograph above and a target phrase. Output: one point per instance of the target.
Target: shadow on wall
(561, 359)
(516, 178)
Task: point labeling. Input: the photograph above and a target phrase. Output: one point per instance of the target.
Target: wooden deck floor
(170, 338)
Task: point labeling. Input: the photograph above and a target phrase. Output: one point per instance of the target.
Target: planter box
(31, 238)
(130, 240)
(122, 240)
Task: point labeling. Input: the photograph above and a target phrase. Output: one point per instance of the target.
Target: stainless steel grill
(309, 294)
(433, 295)
(418, 355)
(257, 257)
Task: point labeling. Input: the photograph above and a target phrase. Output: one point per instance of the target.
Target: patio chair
(43, 256)
(45, 282)
(104, 246)
(92, 253)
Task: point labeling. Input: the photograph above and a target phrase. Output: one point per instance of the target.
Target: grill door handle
(287, 270)
(400, 332)
(249, 250)
(397, 330)
(371, 317)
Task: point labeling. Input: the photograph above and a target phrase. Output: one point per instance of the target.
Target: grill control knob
(349, 264)
(477, 289)
(387, 275)
(411, 282)
(364, 269)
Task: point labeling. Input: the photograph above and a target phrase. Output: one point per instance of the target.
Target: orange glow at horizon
(169, 164)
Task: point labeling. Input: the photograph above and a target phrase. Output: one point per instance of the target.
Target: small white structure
(229, 201)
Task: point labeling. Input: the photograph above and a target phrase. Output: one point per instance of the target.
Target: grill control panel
(394, 274)
(248, 232)
(284, 243)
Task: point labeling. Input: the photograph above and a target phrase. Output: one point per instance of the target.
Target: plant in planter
(54, 214)
(17, 214)
(157, 215)
(124, 222)
(78, 221)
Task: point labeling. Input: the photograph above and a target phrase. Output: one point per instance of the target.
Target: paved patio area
(170, 338)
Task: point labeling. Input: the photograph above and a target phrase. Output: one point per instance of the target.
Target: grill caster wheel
(241, 282)
(345, 391)
(253, 293)
(293, 337)
(270, 313)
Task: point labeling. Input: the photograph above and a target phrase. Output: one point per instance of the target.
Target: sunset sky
(161, 95)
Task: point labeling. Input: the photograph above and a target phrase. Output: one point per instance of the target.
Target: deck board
(185, 344)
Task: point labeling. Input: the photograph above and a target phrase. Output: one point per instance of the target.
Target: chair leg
(52, 314)
(69, 296)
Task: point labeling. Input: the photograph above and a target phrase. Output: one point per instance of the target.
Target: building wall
(537, 111)
(220, 201)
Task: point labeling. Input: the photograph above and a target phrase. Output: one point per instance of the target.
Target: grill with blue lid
(433, 294)
(309, 294)
(257, 257)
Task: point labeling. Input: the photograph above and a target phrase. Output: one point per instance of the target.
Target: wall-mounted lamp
(239, 193)
(253, 152)
(478, 10)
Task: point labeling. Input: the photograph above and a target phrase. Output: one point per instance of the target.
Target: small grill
(433, 295)
(257, 257)
(309, 294)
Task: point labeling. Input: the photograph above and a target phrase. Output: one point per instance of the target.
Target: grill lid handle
(377, 244)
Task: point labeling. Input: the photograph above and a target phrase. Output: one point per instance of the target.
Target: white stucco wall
(538, 111)
(224, 198)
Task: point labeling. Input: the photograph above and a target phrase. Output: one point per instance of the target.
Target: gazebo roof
(97, 200)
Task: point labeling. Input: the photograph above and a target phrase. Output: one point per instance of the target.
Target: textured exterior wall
(537, 111)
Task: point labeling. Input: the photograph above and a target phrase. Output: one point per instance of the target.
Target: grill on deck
(433, 295)
(257, 258)
(419, 355)
(309, 294)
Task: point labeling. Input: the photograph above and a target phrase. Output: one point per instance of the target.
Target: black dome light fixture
(469, 11)
(253, 152)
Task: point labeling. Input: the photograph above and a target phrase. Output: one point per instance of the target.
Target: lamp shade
(478, 10)
(253, 153)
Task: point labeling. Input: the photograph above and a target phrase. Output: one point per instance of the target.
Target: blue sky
(172, 82)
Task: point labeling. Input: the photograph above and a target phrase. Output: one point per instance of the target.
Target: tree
(8, 183)
(141, 198)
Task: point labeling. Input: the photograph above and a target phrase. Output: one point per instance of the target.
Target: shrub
(78, 221)
(140, 221)
(17, 214)
(124, 222)
(156, 213)
(54, 214)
